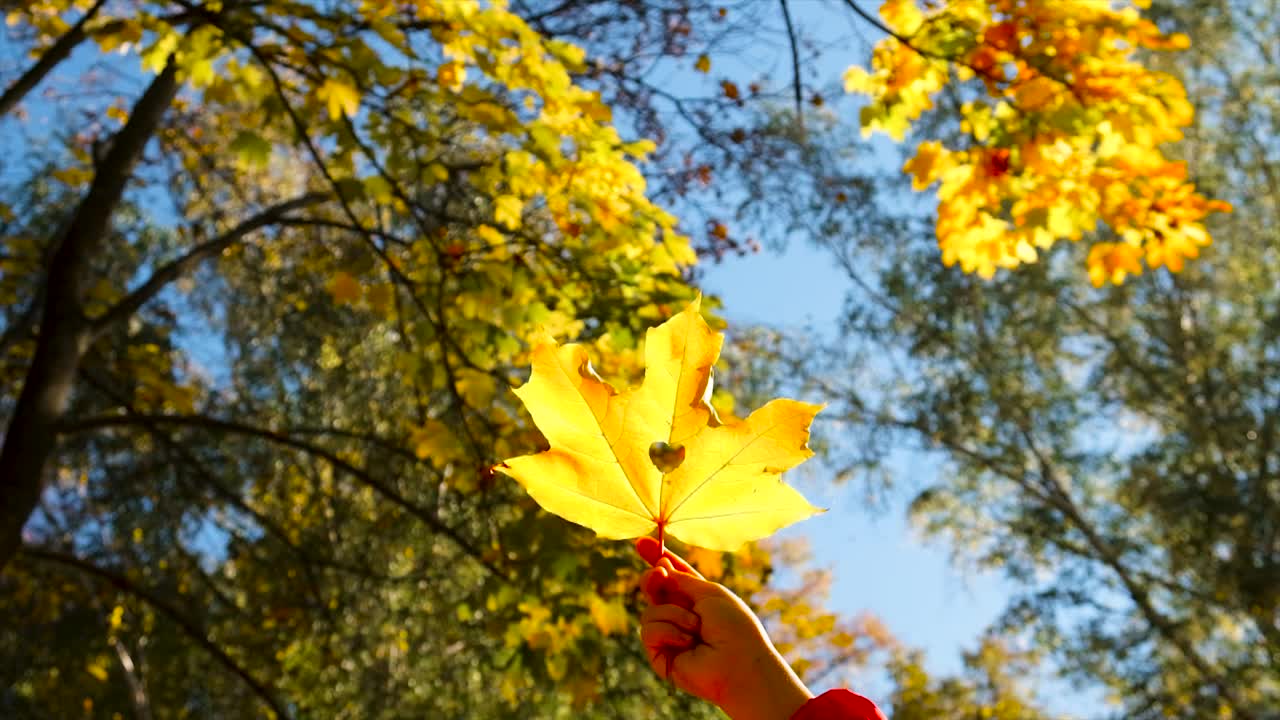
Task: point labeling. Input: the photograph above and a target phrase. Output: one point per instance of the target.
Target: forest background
(269, 268)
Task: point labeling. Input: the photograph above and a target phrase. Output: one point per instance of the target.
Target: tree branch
(166, 274)
(48, 61)
(797, 87)
(213, 424)
(164, 607)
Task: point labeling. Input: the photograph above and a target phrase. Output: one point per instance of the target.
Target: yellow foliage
(507, 209)
(610, 616)
(381, 298)
(451, 75)
(1111, 262)
(436, 442)
(98, 669)
(708, 562)
(930, 160)
(902, 15)
(1069, 135)
(342, 98)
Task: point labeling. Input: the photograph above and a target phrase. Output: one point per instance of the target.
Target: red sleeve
(839, 705)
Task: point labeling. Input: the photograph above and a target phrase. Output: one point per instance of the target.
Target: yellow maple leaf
(703, 64)
(342, 98)
(657, 457)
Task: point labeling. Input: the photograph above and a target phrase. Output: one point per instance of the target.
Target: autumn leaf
(251, 148)
(730, 90)
(507, 209)
(342, 98)
(451, 75)
(902, 15)
(1112, 262)
(344, 288)
(926, 165)
(657, 457)
(703, 64)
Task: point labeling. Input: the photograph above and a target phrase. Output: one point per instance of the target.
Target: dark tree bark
(65, 333)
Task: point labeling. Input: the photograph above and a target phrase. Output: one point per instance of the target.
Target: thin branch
(797, 87)
(60, 51)
(137, 683)
(875, 22)
(213, 424)
(166, 274)
(167, 609)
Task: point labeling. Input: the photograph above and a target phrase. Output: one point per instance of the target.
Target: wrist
(770, 691)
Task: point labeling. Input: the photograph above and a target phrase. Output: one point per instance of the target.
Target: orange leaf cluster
(1067, 133)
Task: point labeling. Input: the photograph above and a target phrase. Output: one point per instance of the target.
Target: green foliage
(995, 685)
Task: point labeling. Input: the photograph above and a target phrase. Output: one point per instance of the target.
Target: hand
(707, 641)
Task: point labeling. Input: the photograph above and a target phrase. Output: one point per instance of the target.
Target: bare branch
(797, 87)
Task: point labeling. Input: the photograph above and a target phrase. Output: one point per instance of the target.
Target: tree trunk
(64, 331)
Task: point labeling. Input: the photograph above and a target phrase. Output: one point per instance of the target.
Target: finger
(691, 663)
(672, 614)
(659, 636)
(678, 583)
(652, 581)
(667, 593)
(659, 590)
(652, 552)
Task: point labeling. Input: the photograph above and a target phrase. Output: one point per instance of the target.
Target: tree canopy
(270, 268)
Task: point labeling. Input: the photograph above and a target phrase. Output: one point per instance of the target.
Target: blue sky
(880, 565)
